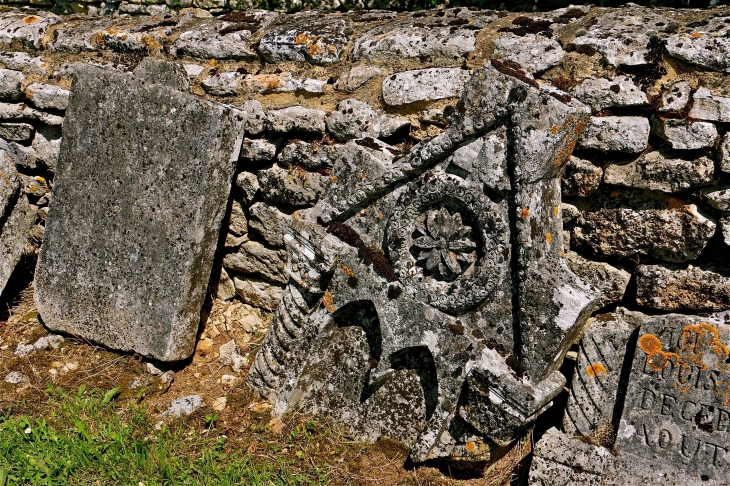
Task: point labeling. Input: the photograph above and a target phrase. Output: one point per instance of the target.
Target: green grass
(85, 438)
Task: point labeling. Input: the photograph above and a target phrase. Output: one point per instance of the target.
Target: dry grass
(310, 448)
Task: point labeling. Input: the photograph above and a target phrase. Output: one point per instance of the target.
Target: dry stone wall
(343, 111)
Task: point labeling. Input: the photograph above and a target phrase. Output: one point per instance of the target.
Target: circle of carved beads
(444, 237)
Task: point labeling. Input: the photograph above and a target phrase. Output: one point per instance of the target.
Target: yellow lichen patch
(470, 446)
(213, 63)
(525, 213)
(348, 271)
(328, 302)
(595, 369)
(549, 238)
(30, 19)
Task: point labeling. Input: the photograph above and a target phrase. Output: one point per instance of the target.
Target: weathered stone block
(616, 133)
(306, 36)
(424, 85)
(128, 251)
(656, 172)
(677, 410)
(691, 289)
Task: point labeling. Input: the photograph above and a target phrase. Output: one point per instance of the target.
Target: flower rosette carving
(445, 240)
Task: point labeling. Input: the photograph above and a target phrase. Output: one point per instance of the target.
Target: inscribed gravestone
(140, 191)
(676, 419)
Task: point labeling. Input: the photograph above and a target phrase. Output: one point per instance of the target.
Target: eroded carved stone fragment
(676, 413)
(150, 270)
(401, 280)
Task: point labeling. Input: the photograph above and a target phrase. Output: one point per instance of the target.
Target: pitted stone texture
(248, 184)
(656, 172)
(306, 37)
(282, 82)
(707, 46)
(718, 199)
(424, 85)
(483, 161)
(45, 96)
(10, 82)
(450, 36)
(269, 223)
(725, 228)
(295, 186)
(357, 119)
(21, 111)
(223, 84)
(677, 234)
(170, 74)
(581, 177)
(259, 293)
(622, 36)
(674, 422)
(676, 97)
(28, 29)
(596, 379)
(257, 150)
(311, 156)
(255, 117)
(94, 290)
(21, 61)
(140, 35)
(616, 133)
(535, 53)
(708, 107)
(18, 132)
(213, 39)
(561, 461)
(610, 280)
(685, 290)
(357, 77)
(686, 135)
(724, 153)
(257, 259)
(601, 93)
(296, 119)
(16, 215)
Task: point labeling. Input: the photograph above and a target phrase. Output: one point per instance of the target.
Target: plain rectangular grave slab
(676, 418)
(139, 194)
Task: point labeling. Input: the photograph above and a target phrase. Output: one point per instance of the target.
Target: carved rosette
(456, 259)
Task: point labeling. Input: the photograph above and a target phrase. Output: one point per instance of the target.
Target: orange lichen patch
(470, 446)
(151, 42)
(268, 82)
(313, 44)
(525, 213)
(696, 35)
(562, 253)
(549, 238)
(30, 19)
(650, 344)
(556, 211)
(700, 346)
(348, 271)
(722, 392)
(328, 302)
(656, 359)
(554, 129)
(595, 369)
(574, 131)
(334, 179)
